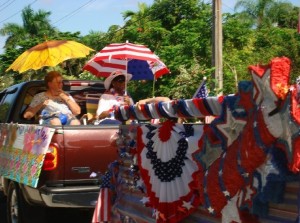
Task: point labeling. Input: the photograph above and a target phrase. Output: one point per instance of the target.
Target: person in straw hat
(115, 95)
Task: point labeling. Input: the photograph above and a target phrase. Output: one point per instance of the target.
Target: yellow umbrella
(49, 53)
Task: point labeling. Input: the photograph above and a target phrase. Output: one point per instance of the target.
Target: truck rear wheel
(18, 210)
(13, 204)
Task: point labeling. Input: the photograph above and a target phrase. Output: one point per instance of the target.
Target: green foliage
(189, 79)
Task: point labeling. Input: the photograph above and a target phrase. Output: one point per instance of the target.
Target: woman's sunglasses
(120, 80)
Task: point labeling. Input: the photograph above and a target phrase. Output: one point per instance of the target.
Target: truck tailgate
(88, 149)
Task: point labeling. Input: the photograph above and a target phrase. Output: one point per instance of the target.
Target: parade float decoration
(171, 172)
(22, 151)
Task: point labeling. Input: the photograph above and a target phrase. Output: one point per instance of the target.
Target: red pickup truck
(80, 152)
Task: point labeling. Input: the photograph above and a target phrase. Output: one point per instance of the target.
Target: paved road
(57, 215)
(68, 216)
(2, 208)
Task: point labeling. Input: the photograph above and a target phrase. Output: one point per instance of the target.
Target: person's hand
(62, 94)
(140, 103)
(46, 102)
(126, 100)
(104, 114)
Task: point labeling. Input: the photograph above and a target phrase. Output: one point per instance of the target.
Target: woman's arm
(31, 111)
(151, 100)
(72, 104)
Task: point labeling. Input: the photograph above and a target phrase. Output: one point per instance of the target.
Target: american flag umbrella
(135, 59)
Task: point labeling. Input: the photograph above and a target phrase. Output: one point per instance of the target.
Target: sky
(81, 15)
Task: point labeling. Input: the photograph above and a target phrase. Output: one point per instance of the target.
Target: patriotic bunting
(168, 168)
(225, 171)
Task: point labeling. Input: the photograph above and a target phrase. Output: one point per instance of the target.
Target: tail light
(51, 158)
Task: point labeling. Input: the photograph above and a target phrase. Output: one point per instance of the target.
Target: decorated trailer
(243, 167)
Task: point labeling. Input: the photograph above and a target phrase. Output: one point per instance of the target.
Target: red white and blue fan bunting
(168, 168)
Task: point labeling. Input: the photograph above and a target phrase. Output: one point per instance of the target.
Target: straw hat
(113, 75)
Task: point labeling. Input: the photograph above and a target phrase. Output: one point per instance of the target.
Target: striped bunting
(172, 109)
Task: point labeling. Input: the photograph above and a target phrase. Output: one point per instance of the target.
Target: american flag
(158, 68)
(203, 93)
(202, 90)
(103, 207)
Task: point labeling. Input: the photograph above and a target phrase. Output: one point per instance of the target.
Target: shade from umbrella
(49, 53)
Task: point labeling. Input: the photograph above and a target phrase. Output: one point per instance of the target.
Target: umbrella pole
(126, 77)
(153, 88)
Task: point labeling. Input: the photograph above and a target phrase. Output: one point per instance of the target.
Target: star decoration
(208, 154)
(159, 215)
(145, 200)
(210, 210)
(221, 172)
(226, 193)
(289, 128)
(255, 124)
(245, 175)
(266, 169)
(187, 205)
(232, 127)
(262, 87)
(139, 183)
(206, 173)
(156, 214)
(249, 193)
(131, 134)
(230, 211)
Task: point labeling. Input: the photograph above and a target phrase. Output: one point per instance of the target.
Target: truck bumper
(70, 197)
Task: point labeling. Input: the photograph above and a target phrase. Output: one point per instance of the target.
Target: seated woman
(55, 106)
(114, 96)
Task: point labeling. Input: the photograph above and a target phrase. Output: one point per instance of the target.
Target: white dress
(109, 101)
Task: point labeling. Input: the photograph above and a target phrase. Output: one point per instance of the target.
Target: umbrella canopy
(49, 53)
(126, 51)
(140, 69)
(135, 59)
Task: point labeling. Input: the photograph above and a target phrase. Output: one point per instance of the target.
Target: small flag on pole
(103, 207)
(158, 68)
(202, 90)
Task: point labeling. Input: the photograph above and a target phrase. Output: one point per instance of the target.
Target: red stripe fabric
(198, 102)
(103, 207)
(103, 68)
(126, 51)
